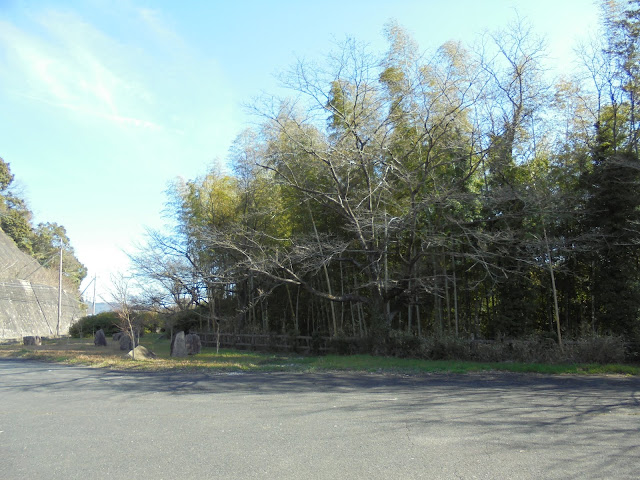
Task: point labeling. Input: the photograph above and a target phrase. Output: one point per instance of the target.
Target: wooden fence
(287, 343)
(317, 344)
(245, 341)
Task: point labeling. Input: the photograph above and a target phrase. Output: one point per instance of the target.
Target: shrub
(632, 352)
(149, 321)
(110, 322)
(486, 351)
(405, 345)
(188, 320)
(596, 349)
(544, 349)
(447, 348)
(273, 343)
(343, 345)
(532, 349)
(316, 343)
(88, 325)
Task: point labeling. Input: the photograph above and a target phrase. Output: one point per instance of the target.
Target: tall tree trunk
(446, 293)
(297, 311)
(326, 273)
(556, 311)
(437, 303)
(409, 311)
(293, 311)
(455, 293)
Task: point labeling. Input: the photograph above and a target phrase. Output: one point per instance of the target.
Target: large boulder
(178, 345)
(117, 336)
(99, 340)
(125, 342)
(32, 340)
(192, 342)
(141, 353)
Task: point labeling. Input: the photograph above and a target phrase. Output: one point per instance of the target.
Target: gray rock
(99, 340)
(142, 353)
(117, 336)
(32, 340)
(178, 346)
(192, 342)
(125, 342)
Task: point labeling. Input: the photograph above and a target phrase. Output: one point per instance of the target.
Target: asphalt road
(60, 422)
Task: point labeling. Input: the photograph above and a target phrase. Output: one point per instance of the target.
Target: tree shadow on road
(587, 423)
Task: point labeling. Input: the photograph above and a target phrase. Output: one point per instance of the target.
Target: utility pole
(93, 312)
(59, 294)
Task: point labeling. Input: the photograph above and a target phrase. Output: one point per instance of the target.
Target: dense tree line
(462, 193)
(42, 241)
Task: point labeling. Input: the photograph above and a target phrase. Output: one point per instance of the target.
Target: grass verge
(73, 351)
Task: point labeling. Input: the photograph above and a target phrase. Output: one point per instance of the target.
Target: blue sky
(104, 102)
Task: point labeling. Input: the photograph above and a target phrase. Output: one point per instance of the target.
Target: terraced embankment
(29, 296)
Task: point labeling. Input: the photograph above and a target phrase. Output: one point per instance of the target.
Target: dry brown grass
(74, 351)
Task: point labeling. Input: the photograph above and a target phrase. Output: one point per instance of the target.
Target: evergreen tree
(44, 241)
(611, 218)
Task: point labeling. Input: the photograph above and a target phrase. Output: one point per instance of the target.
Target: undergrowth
(83, 352)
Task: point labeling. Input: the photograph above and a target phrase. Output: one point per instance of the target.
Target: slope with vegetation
(42, 242)
(29, 263)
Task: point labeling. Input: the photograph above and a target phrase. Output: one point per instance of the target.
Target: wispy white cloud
(66, 62)
(83, 110)
(155, 22)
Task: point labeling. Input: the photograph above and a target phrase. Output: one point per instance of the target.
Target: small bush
(540, 349)
(149, 322)
(292, 340)
(88, 325)
(110, 322)
(632, 352)
(274, 343)
(485, 351)
(597, 349)
(188, 320)
(447, 348)
(344, 345)
(533, 349)
(405, 345)
(317, 343)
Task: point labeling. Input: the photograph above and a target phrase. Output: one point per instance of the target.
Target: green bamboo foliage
(456, 194)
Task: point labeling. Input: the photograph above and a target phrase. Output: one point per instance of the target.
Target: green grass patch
(83, 352)
(367, 363)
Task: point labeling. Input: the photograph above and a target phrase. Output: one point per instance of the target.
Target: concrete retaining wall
(29, 296)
